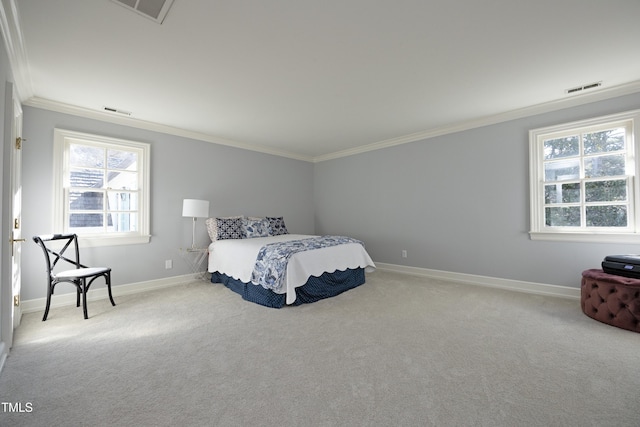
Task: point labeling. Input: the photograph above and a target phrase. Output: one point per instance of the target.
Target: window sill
(586, 237)
(96, 241)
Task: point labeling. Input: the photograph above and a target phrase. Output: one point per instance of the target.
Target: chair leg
(108, 279)
(84, 298)
(46, 310)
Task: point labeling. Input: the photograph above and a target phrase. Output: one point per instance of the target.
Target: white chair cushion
(81, 272)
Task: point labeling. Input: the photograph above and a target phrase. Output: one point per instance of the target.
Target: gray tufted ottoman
(611, 299)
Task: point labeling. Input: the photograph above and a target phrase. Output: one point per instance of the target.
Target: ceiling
(314, 79)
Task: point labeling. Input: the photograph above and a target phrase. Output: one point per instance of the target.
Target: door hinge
(16, 300)
(19, 142)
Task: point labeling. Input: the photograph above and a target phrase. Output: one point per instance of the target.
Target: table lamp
(195, 209)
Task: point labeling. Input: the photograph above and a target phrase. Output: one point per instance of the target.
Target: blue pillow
(277, 225)
(230, 228)
(256, 228)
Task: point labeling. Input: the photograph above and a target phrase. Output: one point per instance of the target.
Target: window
(101, 188)
(584, 180)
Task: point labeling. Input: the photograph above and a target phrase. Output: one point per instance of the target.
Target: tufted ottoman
(611, 299)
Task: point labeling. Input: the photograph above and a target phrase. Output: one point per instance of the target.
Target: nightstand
(195, 257)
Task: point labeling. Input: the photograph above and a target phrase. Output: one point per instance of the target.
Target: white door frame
(16, 208)
(11, 182)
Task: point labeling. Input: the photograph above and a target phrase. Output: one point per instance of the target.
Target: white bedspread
(237, 257)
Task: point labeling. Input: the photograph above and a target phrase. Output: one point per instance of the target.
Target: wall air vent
(116, 111)
(585, 87)
(155, 10)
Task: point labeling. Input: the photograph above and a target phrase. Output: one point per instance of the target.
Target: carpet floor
(397, 351)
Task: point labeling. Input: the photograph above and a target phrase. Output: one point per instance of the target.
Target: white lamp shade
(195, 208)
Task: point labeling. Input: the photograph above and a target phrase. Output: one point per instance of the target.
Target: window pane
(126, 160)
(123, 222)
(606, 191)
(551, 194)
(562, 170)
(86, 201)
(562, 193)
(604, 166)
(122, 180)
(82, 155)
(561, 147)
(86, 221)
(123, 201)
(562, 217)
(606, 216)
(86, 178)
(605, 141)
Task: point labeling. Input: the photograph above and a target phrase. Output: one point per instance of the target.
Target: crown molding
(559, 104)
(16, 50)
(571, 101)
(60, 107)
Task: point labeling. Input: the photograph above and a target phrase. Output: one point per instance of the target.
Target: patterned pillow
(229, 228)
(256, 227)
(277, 225)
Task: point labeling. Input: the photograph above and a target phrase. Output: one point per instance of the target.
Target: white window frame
(539, 230)
(62, 139)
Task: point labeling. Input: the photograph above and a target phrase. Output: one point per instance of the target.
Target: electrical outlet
(404, 253)
(168, 264)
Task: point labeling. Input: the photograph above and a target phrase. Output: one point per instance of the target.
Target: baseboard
(98, 292)
(491, 282)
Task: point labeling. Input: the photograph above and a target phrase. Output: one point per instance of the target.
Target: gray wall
(457, 203)
(235, 182)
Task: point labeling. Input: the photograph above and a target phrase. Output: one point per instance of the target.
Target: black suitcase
(622, 265)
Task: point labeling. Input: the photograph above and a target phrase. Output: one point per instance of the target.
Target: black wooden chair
(81, 276)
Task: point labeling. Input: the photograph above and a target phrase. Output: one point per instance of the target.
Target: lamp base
(193, 234)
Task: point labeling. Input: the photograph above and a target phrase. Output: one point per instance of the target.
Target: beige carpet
(397, 351)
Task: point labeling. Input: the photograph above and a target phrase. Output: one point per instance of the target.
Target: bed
(242, 256)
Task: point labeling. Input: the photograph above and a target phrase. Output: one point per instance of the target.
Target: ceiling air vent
(117, 111)
(155, 10)
(585, 87)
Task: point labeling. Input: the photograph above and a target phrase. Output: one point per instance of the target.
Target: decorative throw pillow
(277, 225)
(230, 228)
(256, 227)
(212, 228)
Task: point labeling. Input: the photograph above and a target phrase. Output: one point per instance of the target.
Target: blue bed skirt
(316, 288)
